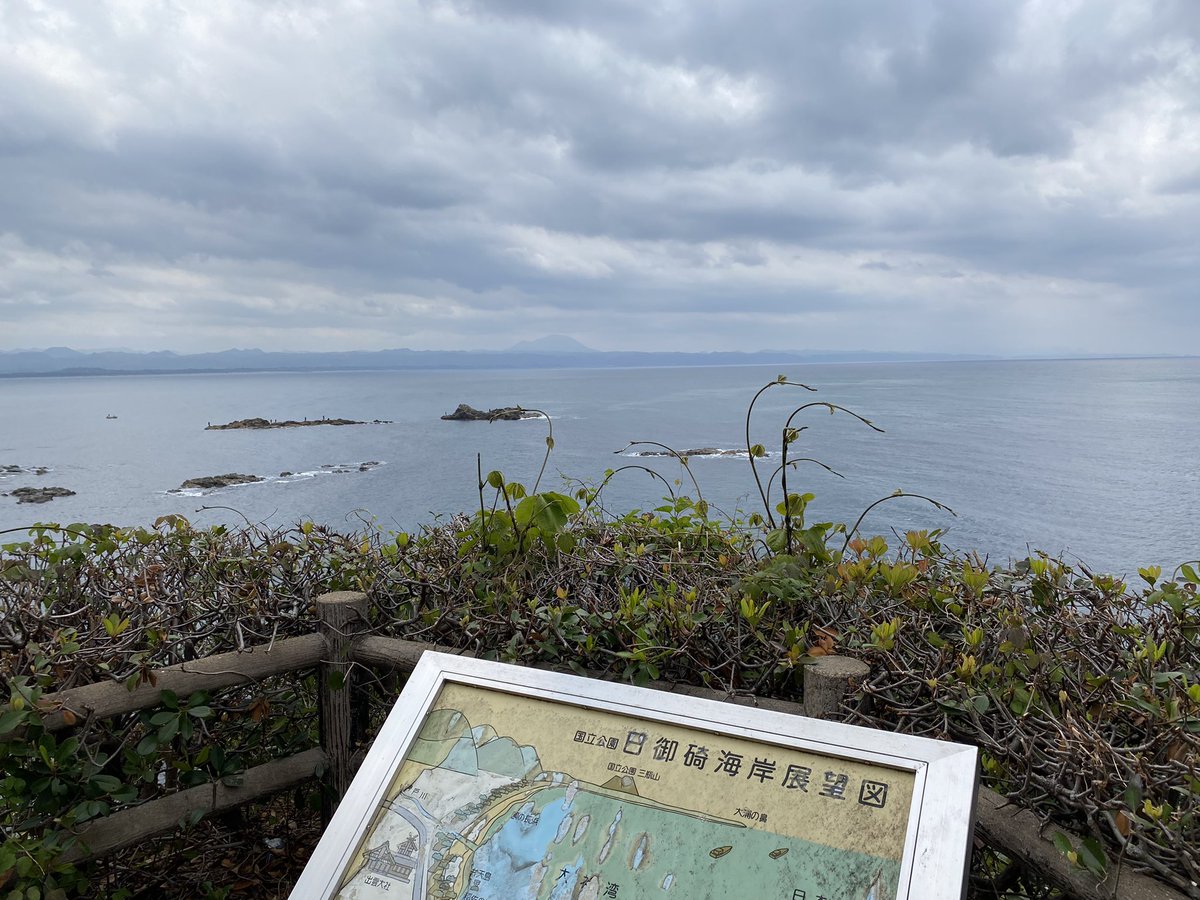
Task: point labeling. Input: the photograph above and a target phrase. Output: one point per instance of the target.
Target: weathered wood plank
(343, 616)
(1017, 833)
(828, 680)
(110, 698)
(131, 826)
(392, 654)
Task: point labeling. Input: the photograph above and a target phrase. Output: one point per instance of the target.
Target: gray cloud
(984, 177)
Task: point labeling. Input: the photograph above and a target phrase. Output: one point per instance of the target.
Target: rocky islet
(698, 451)
(29, 494)
(208, 482)
(233, 479)
(39, 494)
(261, 423)
(468, 413)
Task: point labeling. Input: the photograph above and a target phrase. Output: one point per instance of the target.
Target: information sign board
(495, 782)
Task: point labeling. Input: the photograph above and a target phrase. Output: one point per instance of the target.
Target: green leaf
(547, 512)
(495, 479)
(794, 505)
(1092, 855)
(11, 719)
(191, 818)
(168, 731)
(1021, 701)
(106, 783)
(1133, 795)
(148, 745)
(1189, 573)
(200, 712)
(1062, 842)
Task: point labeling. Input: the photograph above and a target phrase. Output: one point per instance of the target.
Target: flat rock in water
(220, 481)
(40, 494)
(698, 451)
(9, 469)
(288, 423)
(466, 413)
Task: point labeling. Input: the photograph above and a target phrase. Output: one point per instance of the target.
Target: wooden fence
(341, 644)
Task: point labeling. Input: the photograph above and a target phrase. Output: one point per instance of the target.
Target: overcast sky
(941, 175)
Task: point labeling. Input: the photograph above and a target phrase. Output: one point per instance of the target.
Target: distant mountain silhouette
(554, 352)
(551, 343)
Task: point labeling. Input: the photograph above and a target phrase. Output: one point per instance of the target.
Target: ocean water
(1096, 459)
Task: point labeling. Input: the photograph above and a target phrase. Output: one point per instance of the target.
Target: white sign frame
(937, 843)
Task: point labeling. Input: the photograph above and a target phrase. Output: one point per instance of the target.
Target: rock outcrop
(698, 451)
(40, 494)
(288, 423)
(466, 413)
(219, 481)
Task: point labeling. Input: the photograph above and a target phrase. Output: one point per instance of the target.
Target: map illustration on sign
(504, 796)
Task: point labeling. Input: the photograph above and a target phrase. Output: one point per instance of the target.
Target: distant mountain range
(552, 352)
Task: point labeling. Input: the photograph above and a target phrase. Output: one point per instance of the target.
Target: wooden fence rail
(340, 646)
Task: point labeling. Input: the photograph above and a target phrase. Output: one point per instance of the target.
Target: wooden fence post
(828, 680)
(342, 615)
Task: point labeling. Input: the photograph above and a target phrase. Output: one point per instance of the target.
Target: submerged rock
(466, 413)
(220, 481)
(40, 494)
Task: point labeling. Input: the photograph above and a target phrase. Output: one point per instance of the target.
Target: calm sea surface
(1096, 458)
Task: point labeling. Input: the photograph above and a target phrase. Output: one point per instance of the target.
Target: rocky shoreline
(467, 413)
(260, 423)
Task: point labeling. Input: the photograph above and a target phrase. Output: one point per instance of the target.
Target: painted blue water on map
(512, 852)
(1094, 458)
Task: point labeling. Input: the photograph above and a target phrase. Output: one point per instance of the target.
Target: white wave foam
(12, 471)
(328, 469)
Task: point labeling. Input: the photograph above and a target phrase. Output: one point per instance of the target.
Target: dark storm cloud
(983, 176)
